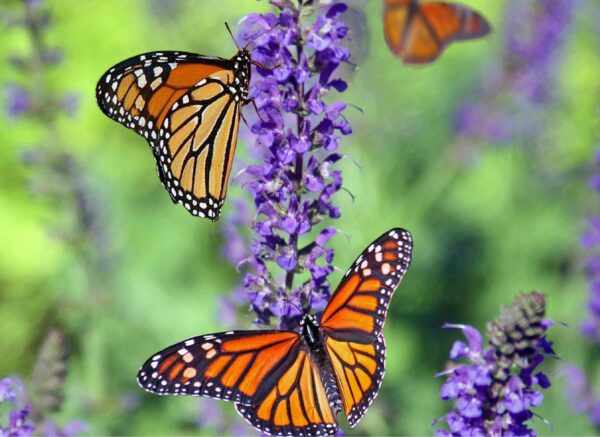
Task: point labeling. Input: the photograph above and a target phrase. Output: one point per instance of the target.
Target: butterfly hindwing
(359, 370)
(188, 108)
(419, 32)
(358, 307)
(297, 405)
(196, 154)
(240, 366)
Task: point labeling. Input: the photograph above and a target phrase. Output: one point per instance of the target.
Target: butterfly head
(311, 331)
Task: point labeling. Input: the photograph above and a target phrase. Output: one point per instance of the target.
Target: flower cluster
(297, 136)
(591, 244)
(19, 421)
(493, 394)
(515, 94)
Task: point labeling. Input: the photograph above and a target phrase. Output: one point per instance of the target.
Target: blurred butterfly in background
(188, 108)
(295, 383)
(418, 33)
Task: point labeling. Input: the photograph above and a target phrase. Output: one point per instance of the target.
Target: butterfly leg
(253, 101)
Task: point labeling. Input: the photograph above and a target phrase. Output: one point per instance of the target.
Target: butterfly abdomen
(332, 390)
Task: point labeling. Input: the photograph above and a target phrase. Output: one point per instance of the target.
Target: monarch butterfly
(188, 107)
(419, 33)
(295, 383)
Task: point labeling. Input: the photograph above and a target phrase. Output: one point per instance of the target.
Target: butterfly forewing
(140, 90)
(240, 366)
(297, 405)
(188, 107)
(454, 22)
(358, 307)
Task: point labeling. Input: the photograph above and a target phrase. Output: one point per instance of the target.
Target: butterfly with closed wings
(295, 383)
(188, 107)
(419, 32)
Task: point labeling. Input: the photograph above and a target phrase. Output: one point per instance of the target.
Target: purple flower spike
(496, 389)
(516, 93)
(584, 399)
(297, 131)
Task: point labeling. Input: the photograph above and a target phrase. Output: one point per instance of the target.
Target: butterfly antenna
(232, 37)
(285, 299)
(259, 35)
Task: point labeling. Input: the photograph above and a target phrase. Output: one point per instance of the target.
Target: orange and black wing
(188, 108)
(358, 307)
(297, 405)
(353, 320)
(359, 370)
(419, 33)
(239, 366)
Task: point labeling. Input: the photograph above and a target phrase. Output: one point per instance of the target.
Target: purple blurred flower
(516, 92)
(590, 241)
(18, 422)
(7, 391)
(494, 392)
(34, 3)
(584, 399)
(579, 391)
(35, 100)
(297, 135)
(18, 100)
(73, 428)
(211, 417)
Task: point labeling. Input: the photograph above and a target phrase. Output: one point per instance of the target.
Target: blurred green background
(488, 221)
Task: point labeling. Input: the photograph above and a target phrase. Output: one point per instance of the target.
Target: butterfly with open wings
(295, 383)
(419, 32)
(188, 107)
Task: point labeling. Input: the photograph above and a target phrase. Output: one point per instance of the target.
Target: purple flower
(516, 92)
(297, 135)
(18, 422)
(7, 391)
(495, 390)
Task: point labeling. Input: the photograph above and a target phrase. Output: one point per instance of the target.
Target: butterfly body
(188, 107)
(312, 335)
(311, 332)
(418, 33)
(296, 382)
